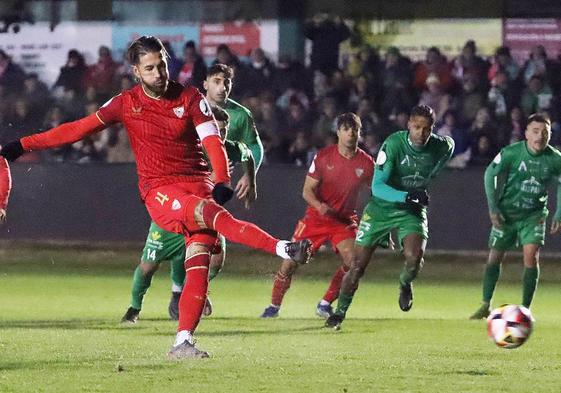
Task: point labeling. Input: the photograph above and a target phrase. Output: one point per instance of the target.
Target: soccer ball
(509, 326)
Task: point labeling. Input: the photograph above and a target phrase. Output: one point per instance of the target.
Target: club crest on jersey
(175, 205)
(359, 172)
(204, 107)
(179, 111)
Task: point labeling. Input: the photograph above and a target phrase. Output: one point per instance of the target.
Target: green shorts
(529, 230)
(162, 246)
(378, 222)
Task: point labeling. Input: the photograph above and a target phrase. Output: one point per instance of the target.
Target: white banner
(39, 50)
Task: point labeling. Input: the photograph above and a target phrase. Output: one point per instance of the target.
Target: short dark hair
(423, 111)
(348, 120)
(540, 118)
(220, 68)
(144, 45)
(220, 114)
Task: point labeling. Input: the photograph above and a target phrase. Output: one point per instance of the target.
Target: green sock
(407, 275)
(529, 284)
(343, 303)
(177, 272)
(490, 278)
(140, 285)
(213, 272)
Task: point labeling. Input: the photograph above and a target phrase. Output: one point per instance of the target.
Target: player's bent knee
(148, 269)
(206, 212)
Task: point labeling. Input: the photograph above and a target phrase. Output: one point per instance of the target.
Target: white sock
(324, 303)
(281, 252)
(182, 336)
(176, 288)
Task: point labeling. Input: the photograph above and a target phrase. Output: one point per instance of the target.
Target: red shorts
(172, 207)
(320, 231)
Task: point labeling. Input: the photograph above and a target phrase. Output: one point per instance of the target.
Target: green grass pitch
(60, 310)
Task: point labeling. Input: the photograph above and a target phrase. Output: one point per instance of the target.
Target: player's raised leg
(360, 260)
(345, 249)
(413, 250)
(490, 277)
(531, 273)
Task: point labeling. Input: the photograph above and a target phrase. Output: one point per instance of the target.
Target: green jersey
(401, 167)
(517, 180)
(242, 129)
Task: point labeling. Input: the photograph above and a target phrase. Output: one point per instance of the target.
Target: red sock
(280, 287)
(335, 284)
(194, 293)
(239, 231)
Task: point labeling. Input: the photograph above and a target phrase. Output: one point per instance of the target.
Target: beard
(155, 89)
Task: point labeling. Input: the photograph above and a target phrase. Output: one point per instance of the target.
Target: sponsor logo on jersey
(205, 107)
(330, 167)
(522, 167)
(359, 172)
(179, 111)
(175, 205)
(136, 110)
(406, 161)
(155, 235)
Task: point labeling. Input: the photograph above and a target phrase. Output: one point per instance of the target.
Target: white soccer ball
(509, 326)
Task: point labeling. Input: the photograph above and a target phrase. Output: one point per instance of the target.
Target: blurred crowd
(482, 103)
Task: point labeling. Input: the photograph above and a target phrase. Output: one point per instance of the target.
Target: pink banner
(521, 35)
(241, 37)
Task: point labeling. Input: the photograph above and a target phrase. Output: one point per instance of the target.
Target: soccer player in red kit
(5, 187)
(168, 125)
(331, 189)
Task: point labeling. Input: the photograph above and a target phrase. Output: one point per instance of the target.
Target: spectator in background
(225, 56)
(326, 33)
(469, 63)
(296, 119)
(260, 71)
(469, 101)
(371, 123)
(366, 61)
(502, 96)
(462, 145)
(325, 124)
(193, 69)
(11, 74)
(174, 64)
(536, 97)
(290, 73)
(92, 148)
(300, 152)
(512, 130)
(101, 75)
(484, 136)
(537, 65)
(126, 82)
(396, 77)
(72, 104)
(435, 63)
(55, 117)
(360, 88)
(36, 93)
(371, 144)
(435, 97)
(503, 61)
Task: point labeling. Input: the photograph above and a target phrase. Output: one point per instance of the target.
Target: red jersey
(340, 180)
(5, 183)
(165, 133)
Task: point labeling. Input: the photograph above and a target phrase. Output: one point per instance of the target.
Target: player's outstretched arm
(556, 221)
(62, 135)
(5, 187)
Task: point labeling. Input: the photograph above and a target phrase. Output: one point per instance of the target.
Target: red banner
(241, 37)
(521, 35)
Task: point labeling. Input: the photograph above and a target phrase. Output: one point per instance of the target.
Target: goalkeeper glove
(12, 150)
(418, 196)
(222, 193)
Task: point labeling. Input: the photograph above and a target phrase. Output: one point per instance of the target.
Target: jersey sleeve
(385, 164)
(237, 151)
(447, 152)
(201, 114)
(112, 111)
(5, 183)
(495, 179)
(316, 168)
(252, 139)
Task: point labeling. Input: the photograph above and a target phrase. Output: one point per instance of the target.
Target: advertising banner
(521, 35)
(414, 37)
(38, 49)
(241, 37)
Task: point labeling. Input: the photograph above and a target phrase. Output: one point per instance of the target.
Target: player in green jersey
(516, 185)
(406, 163)
(162, 245)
